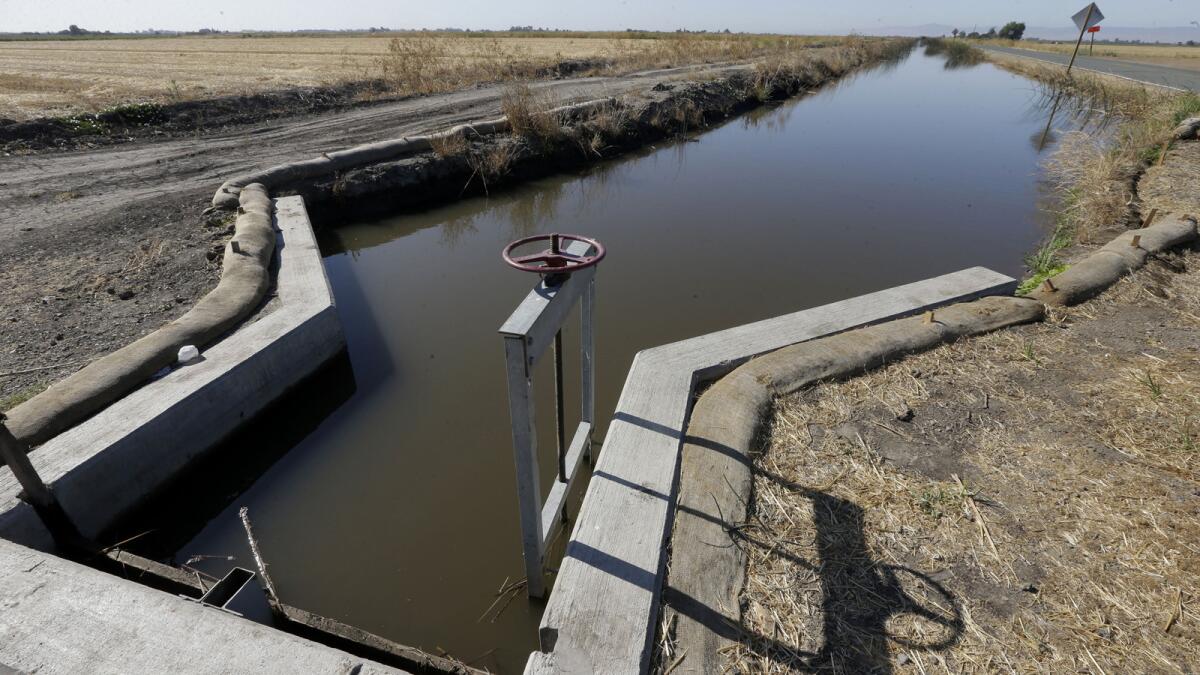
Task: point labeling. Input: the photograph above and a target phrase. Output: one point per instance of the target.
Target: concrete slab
(60, 617)
(103, 468)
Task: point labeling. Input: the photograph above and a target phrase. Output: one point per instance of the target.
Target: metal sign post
(1085, 18)
(568, 276)
(1092, 46)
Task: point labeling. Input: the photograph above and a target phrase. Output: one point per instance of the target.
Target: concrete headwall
(105, 467)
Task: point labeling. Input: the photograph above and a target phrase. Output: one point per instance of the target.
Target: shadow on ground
(861, 597)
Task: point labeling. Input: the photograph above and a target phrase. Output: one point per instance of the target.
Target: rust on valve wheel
(554, 260)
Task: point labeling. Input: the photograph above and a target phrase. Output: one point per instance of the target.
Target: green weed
(13, 400)
(941, 501)
(1045, 262)
(1146, 379)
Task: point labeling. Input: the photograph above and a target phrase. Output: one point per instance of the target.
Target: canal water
(396, 512)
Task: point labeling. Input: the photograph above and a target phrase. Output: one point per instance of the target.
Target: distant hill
(1170, 34)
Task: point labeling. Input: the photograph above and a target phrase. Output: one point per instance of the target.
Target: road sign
(1094, 29)
(1087, 17)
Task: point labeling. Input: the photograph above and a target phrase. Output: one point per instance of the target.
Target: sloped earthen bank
(475, 158)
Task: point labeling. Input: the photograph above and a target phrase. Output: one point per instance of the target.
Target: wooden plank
(552, 511)
(338, 635)
(603, 613)
(524, 438)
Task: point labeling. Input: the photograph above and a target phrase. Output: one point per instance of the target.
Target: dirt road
(101, 246)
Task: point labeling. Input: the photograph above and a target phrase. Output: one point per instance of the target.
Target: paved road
(1144, 72)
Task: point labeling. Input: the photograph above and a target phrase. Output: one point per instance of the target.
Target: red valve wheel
(553, 260)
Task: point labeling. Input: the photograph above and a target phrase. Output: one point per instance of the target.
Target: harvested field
(63, 77)
(1024, 501)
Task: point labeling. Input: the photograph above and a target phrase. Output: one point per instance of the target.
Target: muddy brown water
(396, 511)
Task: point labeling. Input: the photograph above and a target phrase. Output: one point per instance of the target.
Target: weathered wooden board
(602, 613)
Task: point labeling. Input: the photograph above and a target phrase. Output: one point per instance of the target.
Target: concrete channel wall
(103, 468)
(60, 616)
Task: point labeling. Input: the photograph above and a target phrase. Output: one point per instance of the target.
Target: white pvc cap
(188, 353)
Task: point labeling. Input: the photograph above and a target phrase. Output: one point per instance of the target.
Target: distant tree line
(1013, 30)
(76, 30)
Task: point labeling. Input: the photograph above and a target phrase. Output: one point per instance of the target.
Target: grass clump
(426, 63)
(531, 116)
(133, 113)
(493, 162)
(85, 125)
(452, 145)
(1185, 106)
(15, 399)
(940, 501)
(605, 127)
(1046, 261)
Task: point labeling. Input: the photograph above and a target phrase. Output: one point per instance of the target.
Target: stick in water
(267, 584)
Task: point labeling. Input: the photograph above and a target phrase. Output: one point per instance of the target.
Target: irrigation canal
(394, 507)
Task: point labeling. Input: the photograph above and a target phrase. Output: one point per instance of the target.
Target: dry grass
(809, 67)
(61, 77)
(1123, 128)
(530, 115)
(494, 161)
(453, 145)
(1024, 501)
(604, 127)
(1176, 55)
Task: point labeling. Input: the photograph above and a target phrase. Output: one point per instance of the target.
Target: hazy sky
(795, 16)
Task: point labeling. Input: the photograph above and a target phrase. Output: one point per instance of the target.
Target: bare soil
(100, 246)
(1025, 501)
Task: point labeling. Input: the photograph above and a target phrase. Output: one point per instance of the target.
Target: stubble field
(68, 76)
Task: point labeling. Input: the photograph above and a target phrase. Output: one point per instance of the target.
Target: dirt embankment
(101, 246)
(156, 121)
(104, 245)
